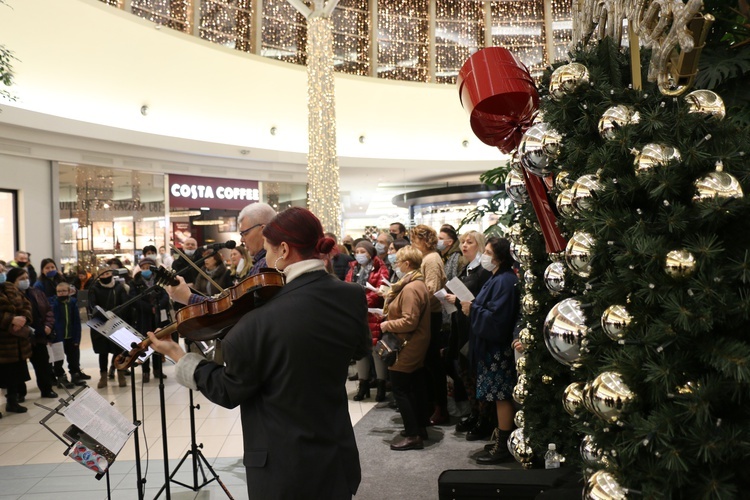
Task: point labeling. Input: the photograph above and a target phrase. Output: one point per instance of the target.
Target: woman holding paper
(370, 272)
(479, 423)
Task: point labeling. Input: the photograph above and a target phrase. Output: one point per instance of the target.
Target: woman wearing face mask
(106, 293)
(493, 315)
(480, 422)
(368, 268)
(15, 347)
(49, 279)
(239, 264)
(450, 250)
(394, 247)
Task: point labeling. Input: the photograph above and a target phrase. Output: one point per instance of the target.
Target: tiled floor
(33, 464)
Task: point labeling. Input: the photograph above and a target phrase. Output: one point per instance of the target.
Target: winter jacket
(377, 275)
(13, 303)
(67, 320)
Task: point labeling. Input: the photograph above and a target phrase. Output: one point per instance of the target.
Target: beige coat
(409, 318)
(433, 271)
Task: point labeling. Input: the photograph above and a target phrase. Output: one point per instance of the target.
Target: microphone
(218, 246)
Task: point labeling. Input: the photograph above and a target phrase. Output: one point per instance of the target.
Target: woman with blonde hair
(425, 239)
(239, 264)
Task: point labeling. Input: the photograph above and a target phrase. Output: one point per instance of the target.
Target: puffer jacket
(377, 275)
(13, 303)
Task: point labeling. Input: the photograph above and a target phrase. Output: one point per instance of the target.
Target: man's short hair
(260, 213)
(401, 227)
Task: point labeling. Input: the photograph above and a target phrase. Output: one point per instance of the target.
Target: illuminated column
(323, 195)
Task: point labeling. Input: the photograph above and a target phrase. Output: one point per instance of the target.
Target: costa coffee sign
(189, 191)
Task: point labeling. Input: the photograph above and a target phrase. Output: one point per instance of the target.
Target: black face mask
(106, 281)
(62, 299)
(21, 264)
(394, 236)
(348, 246)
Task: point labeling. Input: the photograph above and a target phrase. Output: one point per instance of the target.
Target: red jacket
(378, 274)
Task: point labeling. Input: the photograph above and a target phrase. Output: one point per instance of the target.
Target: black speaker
(524, 484)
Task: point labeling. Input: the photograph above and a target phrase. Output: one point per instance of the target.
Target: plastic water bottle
(552, 458)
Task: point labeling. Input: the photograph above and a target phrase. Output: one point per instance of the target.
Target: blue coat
(493, 315)
(67, 319)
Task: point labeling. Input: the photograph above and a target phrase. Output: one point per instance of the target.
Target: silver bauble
(614, 320)
(582, 192)
(529, 277)
(586, 397)
(609, 396)
(566, 78)
(539, 146)
(616, 117)
(515, 187)
(564, 330)
(529, 304)
(573, 398)
(521, 365)
(654, 155)
(526, 338)
(554, 278)
(513, 234)
(717, 185)
(515, 162)
(589, 452)
(679, 263)
(520, 448)
(521, 254)
(557, 256)
(707, 103)
(564, 203)
(578, 253)
(520, 390)
(519, 419)
(603, 486)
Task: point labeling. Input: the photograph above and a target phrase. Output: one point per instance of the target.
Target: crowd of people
(402, 281)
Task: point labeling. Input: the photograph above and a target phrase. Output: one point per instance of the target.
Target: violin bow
(190, 261)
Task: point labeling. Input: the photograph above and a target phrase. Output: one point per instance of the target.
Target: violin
(211, 318)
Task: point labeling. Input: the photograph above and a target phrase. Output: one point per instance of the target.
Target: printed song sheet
(96, 417)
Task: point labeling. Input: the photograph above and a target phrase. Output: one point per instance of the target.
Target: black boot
(363, 391)
(380, 395)
(468, 423)
(12, 405)
(499, 452)
(482, 430)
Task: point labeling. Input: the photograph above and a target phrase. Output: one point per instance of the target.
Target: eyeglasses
(246, 231)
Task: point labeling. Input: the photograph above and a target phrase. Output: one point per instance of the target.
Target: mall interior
(141, 122)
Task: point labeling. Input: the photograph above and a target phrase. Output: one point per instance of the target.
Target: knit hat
(147, 261)
(369, 248)
(14, 273)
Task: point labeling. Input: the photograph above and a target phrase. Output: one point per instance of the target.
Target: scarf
(364, 273)
(396, 288)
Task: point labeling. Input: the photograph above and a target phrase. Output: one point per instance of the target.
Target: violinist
(286, 368)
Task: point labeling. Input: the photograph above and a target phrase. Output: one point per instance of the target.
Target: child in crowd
(67, 331)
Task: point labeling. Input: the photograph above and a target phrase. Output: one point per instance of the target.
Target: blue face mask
(51, 274)
(362, 258)
(2, 277)
(146, 273)
(392, 259)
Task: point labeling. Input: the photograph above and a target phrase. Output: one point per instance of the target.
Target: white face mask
(380, 248)
(189, 253)
(399, 273)
(23, 284)
(240, 266)
(151, 256)
(362, 258)
(441, 245)
(486, 262)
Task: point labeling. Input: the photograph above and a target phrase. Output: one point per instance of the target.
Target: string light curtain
(227, 22)
(322, 164)
(284, 32)
(459, 32)
(562, 27)
(403, 39)
(351, 37)
(518, 25)
(171, 13)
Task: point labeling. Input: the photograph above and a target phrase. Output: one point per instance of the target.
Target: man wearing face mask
(22, 260)
(107, 294)
(382, 243)
(398, 230)
(67, 331)
(181, 267)
(150, 311)
(165, 258)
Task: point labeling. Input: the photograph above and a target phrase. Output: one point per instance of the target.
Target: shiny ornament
(586, 397)
(603, 486)
(679, 263)
(515, 162)
(616, 117)
(583, 192)
(521, 365)
(564, 330)
(590, 454)
(526, 338)
(563, 180)
(654, 155)
(520, 390)
(519, 419)
(515, 187)
(609, 396)
(520, 448)
(564, 203)
(529, 277)
(513, 234)
(554, 278)
(539, 146)
(578, 253)
(557, 256)
(566, 78)
(717, 184)
(707, 103)
(546, 379)
(521, 254)
(573, 398)
(529, 304)
(614, 320)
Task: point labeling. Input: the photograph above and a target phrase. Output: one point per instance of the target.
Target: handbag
(388, 347)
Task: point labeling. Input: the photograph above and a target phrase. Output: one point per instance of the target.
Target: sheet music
(457, 287)
(125, 338)
(97, 418)
(440, 295)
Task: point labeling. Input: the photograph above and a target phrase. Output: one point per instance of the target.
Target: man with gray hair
(251, 221)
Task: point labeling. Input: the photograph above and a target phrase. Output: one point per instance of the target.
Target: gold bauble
(520, 391)
(515, 162)
(515, 188)
(546, 379)
(566, 78)
(616, 117)
(578, 253)
(614, 320)
(521, 254)
(564, 203)
(654, 155)
(563, 180)
(520, 448)
(590, 453)
(529, 304)
(583, 191)
(526, 338)
(603, 486)
(707, 103)
(609, 396)
(519, 419)
(521, 365)
(717, 185)
(679, 263)
(513, 234)
(573, 398)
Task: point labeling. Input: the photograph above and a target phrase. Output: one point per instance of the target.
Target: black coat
(150, 311)
(184, 269)
(107, 299)
(286, 367)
